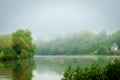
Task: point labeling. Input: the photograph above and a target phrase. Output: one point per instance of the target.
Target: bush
(112, 70)
(109, 72)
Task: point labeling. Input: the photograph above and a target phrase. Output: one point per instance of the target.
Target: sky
(56, 17)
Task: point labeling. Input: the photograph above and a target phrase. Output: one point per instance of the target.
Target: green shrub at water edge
(111, 71)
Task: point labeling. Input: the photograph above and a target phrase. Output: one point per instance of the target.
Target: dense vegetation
(84, 43)
(17, 45)
(109, 72)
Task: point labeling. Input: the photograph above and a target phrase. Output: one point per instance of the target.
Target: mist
(56, 17)
(59, 39)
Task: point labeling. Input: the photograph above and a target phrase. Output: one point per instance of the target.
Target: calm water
(47, 67)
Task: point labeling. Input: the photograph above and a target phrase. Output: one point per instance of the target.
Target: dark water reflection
(17, 70)
(47, 67)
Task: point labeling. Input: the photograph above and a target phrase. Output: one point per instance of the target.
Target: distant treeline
(81, 43)
(17, 45)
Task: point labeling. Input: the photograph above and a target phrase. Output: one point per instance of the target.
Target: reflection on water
(17, 70)
(47, 67)
(46, 76)
(52, 67)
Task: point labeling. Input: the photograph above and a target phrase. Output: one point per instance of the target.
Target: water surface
(47, 67)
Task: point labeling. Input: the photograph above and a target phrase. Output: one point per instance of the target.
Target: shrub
(109, 72)
(112, 70)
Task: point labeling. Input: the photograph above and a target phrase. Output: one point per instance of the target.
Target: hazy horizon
(55, 17)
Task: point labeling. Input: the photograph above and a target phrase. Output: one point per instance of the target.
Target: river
(47, 67)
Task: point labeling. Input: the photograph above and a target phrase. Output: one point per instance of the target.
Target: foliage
(9, 54)
(17, 45)
(112, 70)
(109, 72)
(24, 37)
(83, 43)
(5, 41)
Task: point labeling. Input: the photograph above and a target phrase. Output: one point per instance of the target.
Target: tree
(84, 42)
(22, 43)
(9, 54)
(19, 44)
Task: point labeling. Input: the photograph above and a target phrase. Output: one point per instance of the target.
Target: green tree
(9, 54)
(19, 44)
(22, 43)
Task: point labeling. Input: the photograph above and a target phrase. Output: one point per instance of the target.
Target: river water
(47, 67)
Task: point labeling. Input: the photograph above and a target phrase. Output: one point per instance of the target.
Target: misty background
(56, 17)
